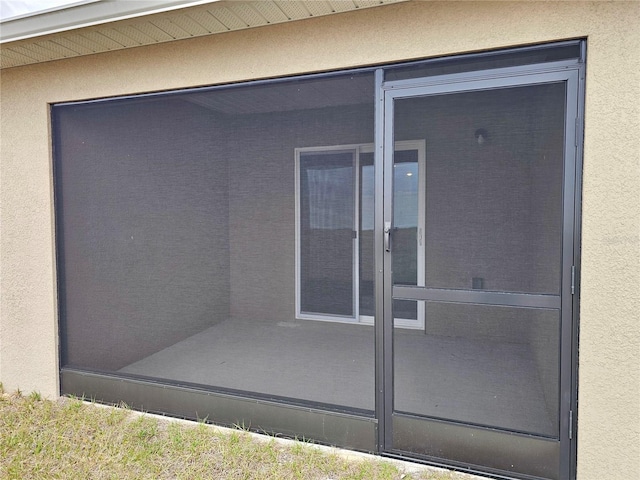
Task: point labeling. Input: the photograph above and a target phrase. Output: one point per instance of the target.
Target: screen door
(484, 381)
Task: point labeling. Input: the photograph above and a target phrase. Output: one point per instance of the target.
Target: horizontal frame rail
(479, 297)
(496, 451)
(264, 416)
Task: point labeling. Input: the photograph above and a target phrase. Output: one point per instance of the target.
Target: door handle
(387, 236)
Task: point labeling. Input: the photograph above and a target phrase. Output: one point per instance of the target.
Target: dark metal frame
(356, 430)
(511, 453)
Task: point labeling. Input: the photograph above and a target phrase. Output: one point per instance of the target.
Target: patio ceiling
(102, 26)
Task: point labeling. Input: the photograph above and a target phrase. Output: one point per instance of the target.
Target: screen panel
(494, 186)
(176, 239)
(493, 366)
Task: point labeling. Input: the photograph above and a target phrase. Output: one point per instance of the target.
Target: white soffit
(108, 25)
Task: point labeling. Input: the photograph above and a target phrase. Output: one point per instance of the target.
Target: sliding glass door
(335, 231)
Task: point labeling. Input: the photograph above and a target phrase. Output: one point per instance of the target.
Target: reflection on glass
(365, 235)
(405, 217)
(326, 227)
(406, 210)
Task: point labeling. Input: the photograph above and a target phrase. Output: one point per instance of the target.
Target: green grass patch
(68, 438)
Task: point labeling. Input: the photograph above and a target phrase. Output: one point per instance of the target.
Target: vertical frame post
(379, 260)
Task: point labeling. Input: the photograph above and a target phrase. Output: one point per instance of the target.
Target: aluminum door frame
(572, 74)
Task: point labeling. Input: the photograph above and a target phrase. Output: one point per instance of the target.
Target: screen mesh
(500, 59)
(492, 207)
(177, 238)
(493, 188)
(225, 238)
(486, 365)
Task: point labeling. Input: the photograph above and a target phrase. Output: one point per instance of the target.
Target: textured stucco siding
(609, 366)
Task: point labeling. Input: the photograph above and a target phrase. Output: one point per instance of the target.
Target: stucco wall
(609, 374)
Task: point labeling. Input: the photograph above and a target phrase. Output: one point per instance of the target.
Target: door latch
(387, 236)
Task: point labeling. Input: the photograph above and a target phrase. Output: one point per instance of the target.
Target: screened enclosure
(380, 259)
(181, 213)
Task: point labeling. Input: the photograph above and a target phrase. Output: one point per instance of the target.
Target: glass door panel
(326, 233)
(365, 237)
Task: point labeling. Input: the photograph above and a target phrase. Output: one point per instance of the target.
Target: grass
(68, 438)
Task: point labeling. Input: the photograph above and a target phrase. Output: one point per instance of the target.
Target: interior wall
(609, 376)
(144, 228)
(175, 219)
